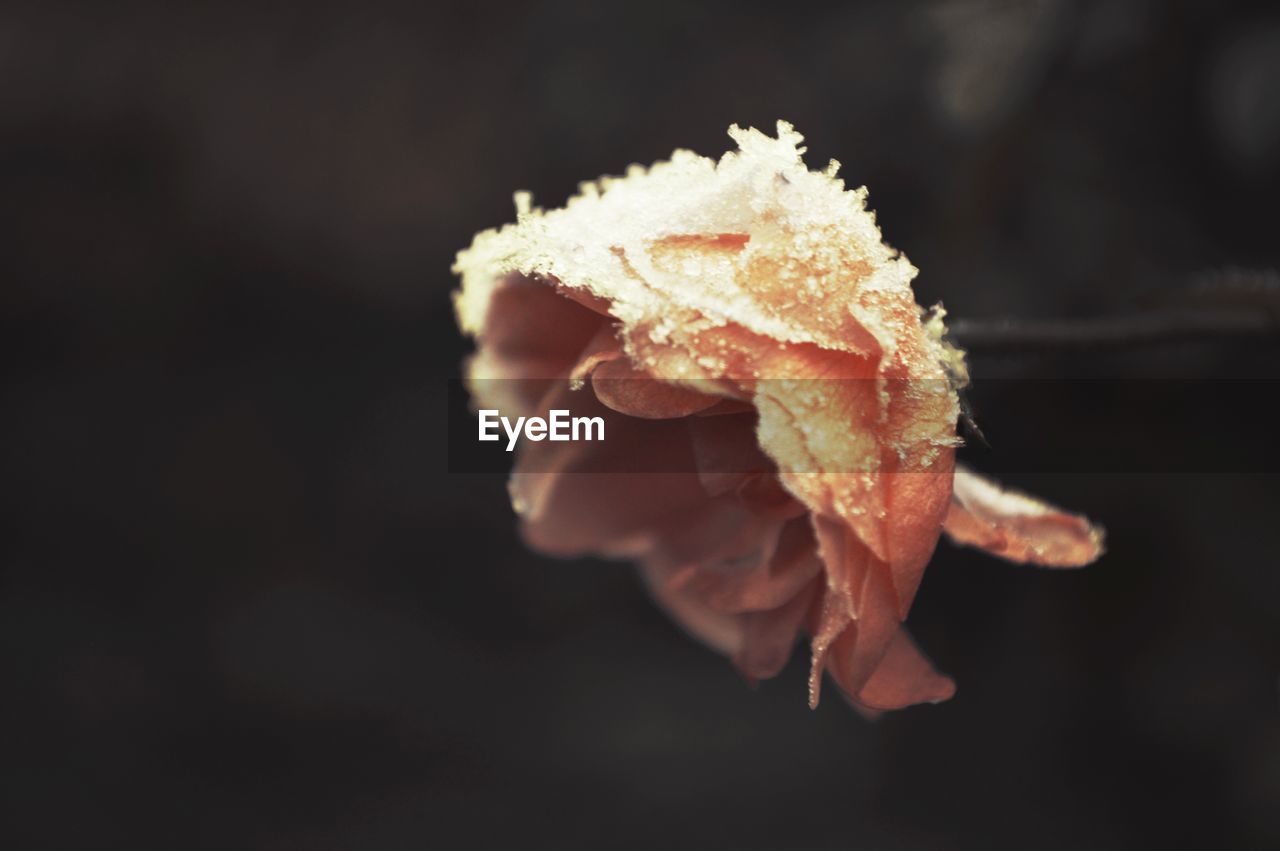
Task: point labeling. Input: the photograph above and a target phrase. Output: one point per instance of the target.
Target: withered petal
(630, 390)
(758, 566)
(717, 630)
(602, 348)
(904, 677)
(918, 502)
(528, 321)
(857, 652)
(1018, 527)
(827, 619)
(568, 507)
(770, 636)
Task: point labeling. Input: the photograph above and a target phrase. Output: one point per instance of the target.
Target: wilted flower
(761, 348)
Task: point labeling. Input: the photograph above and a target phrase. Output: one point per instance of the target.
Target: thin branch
(1230, 304)
(1108, 332)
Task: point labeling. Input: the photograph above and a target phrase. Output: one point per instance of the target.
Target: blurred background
(244, 604)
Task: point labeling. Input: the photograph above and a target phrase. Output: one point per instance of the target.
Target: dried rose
(761, 347)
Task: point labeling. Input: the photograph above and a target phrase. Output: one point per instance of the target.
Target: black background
(245, 606)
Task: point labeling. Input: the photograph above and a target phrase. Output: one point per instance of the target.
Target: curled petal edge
(1017, 527)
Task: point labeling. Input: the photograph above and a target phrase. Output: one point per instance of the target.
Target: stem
(1225, 304)
(1108, 332)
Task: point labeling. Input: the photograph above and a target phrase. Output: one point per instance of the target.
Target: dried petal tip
(759, 347)
(1018, 527)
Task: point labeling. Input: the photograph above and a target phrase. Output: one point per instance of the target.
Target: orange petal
(1018, 527)
(730, 461)
(711, 545)
(769, 636)
(828, 619)
(717, 630)
(904, 677)
(823, 431)
(531, 336)
(858, 651)
(763, 494)
(603, 347)
(636, 393)
(786, 562)
(529, 322)
(568, 507)
(917, 503)
(846, 558)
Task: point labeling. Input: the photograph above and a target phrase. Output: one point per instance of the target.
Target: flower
(760, 345)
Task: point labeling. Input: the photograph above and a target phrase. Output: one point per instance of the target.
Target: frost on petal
(634, 392)
(602, 349)
(755, 242)
(850, 645)
(1018, 527)
(752, 279)
(858, 637)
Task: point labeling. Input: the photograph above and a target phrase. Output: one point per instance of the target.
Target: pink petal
(569, 507)
(528, 321)
(769, 566)
(1018, 527)
(636, 393)
(603, 347)
(858, 651)
(531, 338)
(726, 451)
(904, 677)
(847, 560)
(717, 630)
(730, 461)
(917, 503)
(769, 636)
(828, 619)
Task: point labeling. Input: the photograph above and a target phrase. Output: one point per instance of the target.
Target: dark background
(243, 604)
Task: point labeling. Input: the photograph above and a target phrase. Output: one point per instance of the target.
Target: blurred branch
(1110, 332)
(1224, 305)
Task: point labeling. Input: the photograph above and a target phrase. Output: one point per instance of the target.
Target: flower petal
(603, 348)
(904, 677)
(634, 392)
(780, 562)
(858, 651)
(828, 619)
(568, 506)
(1018, 527)
(717, 630)
(528, 322)
(769, 636)
(917, 503)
